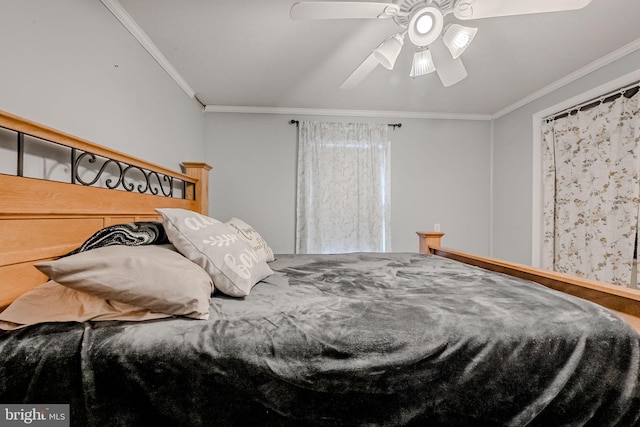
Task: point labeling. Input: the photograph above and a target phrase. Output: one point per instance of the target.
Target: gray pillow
(153, 277)
(230, 261)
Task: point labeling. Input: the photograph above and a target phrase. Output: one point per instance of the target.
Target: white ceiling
(248, 53)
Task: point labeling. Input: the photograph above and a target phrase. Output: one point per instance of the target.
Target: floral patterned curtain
(343, 192)
(591, 191)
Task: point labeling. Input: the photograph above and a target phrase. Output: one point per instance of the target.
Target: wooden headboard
(41, 220)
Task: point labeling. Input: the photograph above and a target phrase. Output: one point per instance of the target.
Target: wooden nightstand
(428, 239)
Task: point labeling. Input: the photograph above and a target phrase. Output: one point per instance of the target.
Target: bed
(435, 337)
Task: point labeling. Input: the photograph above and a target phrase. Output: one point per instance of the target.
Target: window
(343, 197)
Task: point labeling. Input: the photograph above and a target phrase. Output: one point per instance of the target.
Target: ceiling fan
(437, 46)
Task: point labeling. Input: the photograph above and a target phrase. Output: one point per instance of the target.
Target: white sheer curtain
(343, 200)
(592, 191)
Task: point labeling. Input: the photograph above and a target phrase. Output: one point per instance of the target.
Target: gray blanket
(358, 339)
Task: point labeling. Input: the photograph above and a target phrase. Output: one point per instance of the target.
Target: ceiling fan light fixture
(388, 51)
(438, 48)
(425, 26)
(422, 63)
(450, 71)
(424, 23)
(457, 38)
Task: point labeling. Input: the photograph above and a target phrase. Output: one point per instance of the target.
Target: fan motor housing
(425, 26)
(409, 7)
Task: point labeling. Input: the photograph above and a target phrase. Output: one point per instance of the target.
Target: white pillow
(252, 237)
(230, 261)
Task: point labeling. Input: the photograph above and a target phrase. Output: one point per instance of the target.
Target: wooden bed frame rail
(41, 220)
(624, 301)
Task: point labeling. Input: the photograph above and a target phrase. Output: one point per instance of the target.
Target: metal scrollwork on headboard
(147, 182)
(87, 168)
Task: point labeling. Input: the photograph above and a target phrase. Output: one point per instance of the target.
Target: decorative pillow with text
(252, 237)
(231, 262)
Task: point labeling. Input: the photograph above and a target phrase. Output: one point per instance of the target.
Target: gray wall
(440, 173)
(71, 65)
(513, 162)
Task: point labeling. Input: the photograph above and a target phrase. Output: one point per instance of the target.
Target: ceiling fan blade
(475, 9)
(343, 10)
(450, 71)
(363, 70)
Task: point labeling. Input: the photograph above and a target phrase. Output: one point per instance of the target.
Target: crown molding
(343, 113)
(121, 14)
(570, 78)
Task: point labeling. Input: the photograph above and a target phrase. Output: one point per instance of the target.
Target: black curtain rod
(393, 125)
(628, 92)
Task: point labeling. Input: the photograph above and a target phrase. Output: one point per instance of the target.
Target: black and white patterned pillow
(131, 234)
